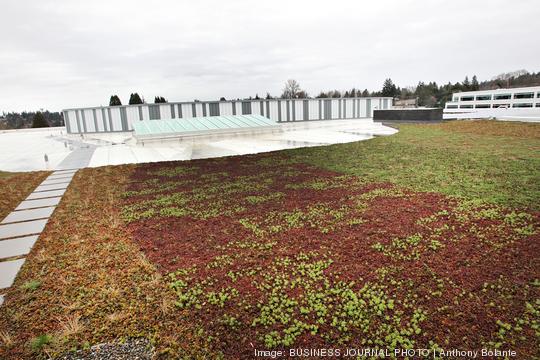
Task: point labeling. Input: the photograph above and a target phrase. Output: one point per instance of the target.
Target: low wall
(408, 114)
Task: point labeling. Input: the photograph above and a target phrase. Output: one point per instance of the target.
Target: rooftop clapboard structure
(123, 118)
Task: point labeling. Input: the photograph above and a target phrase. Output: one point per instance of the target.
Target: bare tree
(291, 90)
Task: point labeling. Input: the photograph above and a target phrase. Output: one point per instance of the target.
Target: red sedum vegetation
(268, 253)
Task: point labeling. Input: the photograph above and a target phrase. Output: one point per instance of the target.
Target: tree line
(433, 95)
(134, 99)
(428, 94)
(26, 119)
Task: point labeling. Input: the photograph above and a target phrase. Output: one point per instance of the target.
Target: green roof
(199, 125)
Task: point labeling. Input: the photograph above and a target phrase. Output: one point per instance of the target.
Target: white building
(517, 103)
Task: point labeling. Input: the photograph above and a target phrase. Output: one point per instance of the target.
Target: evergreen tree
(115, 101)
(466, 84)
(222, 99)
(39, 121)
(426, 93)
(336, 94)
(474, 84)
(159, 100)
(322, 95)
(135, 99)
(389, 88)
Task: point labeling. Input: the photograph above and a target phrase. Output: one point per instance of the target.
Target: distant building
(406, 103)
(514, 102)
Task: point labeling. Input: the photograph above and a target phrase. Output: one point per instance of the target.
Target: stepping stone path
(20, 230)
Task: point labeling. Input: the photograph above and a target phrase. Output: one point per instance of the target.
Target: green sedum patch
(323, 301)
(497, 166)
(203, 202)
(296, 295)
(407, 248)
(173, 172)
(325, 184)
(320, 216)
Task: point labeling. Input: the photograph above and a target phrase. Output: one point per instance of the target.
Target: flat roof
(200, 125)
(500, 90)
(23, 150)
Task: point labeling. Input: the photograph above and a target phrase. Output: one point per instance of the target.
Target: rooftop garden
(425, 239)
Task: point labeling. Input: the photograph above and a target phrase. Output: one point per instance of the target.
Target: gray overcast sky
(66, 53)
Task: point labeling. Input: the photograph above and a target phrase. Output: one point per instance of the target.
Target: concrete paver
(8, 272)
(62, 186)
(17, 246)
(45, 194)
(64, 172)
(60, 177)
(70, 172)
(29, 204)
(22, 228)
(25, 215)
(55, 181)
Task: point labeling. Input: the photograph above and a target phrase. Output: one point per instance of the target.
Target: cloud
(60, 54)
